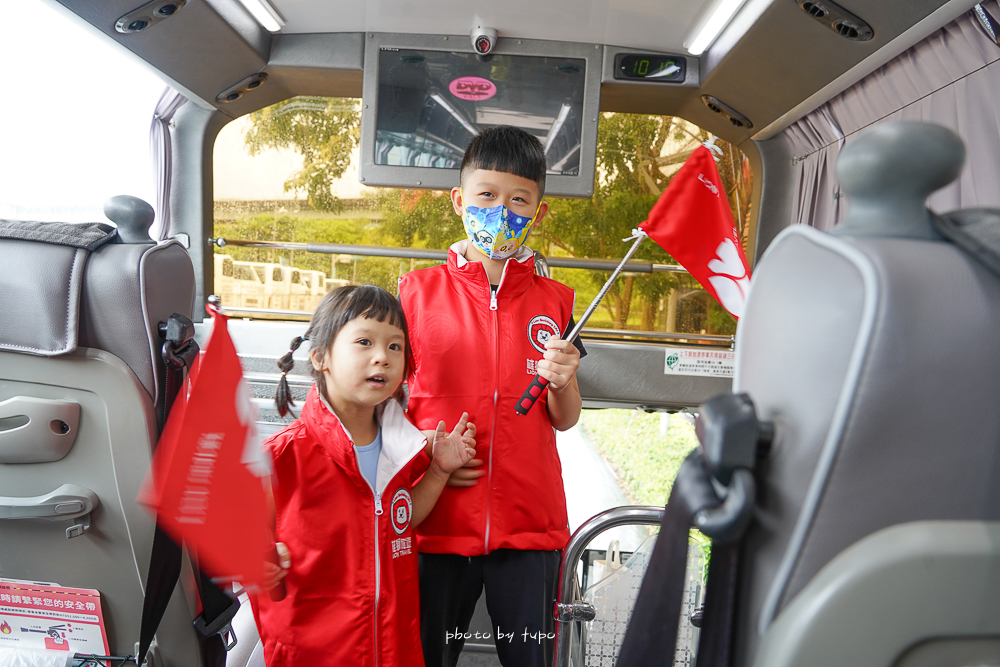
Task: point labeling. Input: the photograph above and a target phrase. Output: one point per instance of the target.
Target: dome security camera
(483, 40)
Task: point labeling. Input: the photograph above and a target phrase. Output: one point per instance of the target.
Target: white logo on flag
(709, 184)
(730, 281)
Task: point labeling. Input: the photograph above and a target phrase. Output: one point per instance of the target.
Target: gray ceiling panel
(786, 56)
(198, 47)
(770, 59)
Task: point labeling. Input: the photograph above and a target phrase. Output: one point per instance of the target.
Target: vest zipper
(378, 568)
(496, 394)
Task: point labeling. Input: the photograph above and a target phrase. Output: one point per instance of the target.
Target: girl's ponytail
(283, 397)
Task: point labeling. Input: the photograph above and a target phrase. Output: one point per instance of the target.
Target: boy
(481, 327)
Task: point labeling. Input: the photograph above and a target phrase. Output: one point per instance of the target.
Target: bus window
(244, 272)
(285, 197)
(57, 164)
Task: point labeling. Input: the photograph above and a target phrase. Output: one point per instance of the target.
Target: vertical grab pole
(539, 383)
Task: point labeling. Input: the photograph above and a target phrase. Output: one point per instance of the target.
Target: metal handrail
(598, 334)
(631, 515)
(439, 255)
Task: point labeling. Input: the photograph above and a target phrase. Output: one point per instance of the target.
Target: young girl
(346, 495)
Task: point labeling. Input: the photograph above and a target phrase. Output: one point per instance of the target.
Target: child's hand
(274, 573)
(453, 450)
(467, 475)
(560, 363)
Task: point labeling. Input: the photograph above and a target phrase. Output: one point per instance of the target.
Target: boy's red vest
(477, 354)
(352, 591)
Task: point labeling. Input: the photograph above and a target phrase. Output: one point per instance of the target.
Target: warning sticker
(707, 363)
(40, 616)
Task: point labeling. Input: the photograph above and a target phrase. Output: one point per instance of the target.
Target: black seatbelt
(218, 608)
(651, 636)
(214, 623)
(715, 641)
(731, 438)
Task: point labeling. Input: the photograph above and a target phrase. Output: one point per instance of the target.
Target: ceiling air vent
(837, 19)
(723, 109)
(148, 15)
(814, 9)
(248, 84)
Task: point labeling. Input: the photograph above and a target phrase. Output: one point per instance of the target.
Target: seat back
(873, 352)
(80, 381)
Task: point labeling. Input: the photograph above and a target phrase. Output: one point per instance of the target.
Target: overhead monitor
(426, 97)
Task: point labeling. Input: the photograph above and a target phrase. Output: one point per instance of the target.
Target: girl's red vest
(352, 590)
(476, 354)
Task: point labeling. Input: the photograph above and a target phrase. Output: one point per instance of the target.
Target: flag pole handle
(277, 594)
(530, 395)
(539, 383)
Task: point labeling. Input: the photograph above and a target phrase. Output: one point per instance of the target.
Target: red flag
(693, 223)
(205, 483)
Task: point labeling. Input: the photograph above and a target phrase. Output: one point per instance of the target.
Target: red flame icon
(4, 628)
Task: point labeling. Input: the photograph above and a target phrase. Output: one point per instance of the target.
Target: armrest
(896, 588)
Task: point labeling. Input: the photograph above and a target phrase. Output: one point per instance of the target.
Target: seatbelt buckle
(222, 626)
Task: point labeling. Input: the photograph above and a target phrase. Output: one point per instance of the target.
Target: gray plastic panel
(894, 590)
(314, 64)
(409, 177)
(612, 375)
(110, 457)
(627, 375)
(37, 430)
(624, 96)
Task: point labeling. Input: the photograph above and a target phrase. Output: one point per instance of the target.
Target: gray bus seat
(873, 352)
(80, 347)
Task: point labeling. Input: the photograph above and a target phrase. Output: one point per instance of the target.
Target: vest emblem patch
(400, 511)
(540, 329)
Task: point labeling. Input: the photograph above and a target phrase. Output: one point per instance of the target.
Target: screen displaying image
(431, 103)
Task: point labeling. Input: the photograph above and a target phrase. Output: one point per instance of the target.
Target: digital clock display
(650, 67)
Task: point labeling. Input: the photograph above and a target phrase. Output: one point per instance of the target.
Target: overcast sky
(74, 124)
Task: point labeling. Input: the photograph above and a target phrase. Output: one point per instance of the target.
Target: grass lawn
(645, 459)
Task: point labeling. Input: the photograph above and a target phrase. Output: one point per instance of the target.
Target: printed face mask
(497, 231)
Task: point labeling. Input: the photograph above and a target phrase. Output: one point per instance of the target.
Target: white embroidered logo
(730, 279)
(709, 184)
(540, 330)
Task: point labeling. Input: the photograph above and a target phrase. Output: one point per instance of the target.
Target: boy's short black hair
(509, 149)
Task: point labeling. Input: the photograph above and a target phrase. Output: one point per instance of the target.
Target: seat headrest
(888, 173)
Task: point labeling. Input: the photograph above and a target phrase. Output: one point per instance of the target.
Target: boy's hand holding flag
(693, 223)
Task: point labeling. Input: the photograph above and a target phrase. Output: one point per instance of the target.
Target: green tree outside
(636, 158)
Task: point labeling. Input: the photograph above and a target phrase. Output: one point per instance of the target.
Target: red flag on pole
(693, 223)
(205, 484)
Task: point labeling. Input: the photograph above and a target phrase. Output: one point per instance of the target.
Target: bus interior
(848, 426)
